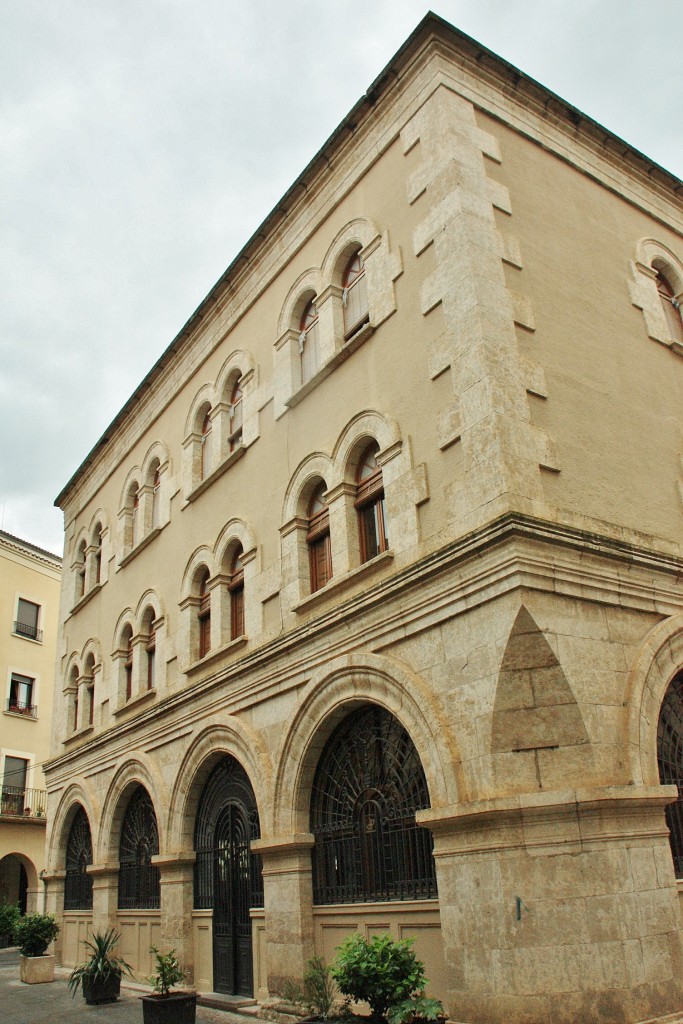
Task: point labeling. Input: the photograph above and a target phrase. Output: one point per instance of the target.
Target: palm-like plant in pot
(164, 1006)
(100, 975)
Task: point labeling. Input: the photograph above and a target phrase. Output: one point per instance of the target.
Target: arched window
(354, 296)
(150, 647)
(138, 877)
(235, 416)
(308, 341)
(672, 310)
(370, 504)
(204, 614)
(236, 590)
(135, 519)
(318, 539)
(670, 761)
(90, 689)
(127, 643)
(367, 786)
(98, 554)
(156, 495)
(80, 570)
(73, 685)
(78, 883)
(206, 445)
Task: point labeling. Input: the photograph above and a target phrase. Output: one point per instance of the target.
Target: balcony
(18, 707)
(30, 632)
(18, 802)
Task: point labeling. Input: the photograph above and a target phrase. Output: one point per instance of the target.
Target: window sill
(341, 582)
(78, 735)
(219, 652)
(82, 601)
(21, 714)
(232, 458)
(141, 545)
(350, 346)
(137, 698)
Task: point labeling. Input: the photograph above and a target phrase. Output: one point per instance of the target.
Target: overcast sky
(143, 141)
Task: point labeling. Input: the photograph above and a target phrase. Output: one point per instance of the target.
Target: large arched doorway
(368, 784)
(14, 882)
(139, 886)
(227, 874)
(670, 762)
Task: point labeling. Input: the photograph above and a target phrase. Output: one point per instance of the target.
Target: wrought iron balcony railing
(32, 632)
(18, 802)
(18, 707)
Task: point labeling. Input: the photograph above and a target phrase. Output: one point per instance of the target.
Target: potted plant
(100, 975)
(164, 1006)
(34, 933)
(388, 976)
(9, 915)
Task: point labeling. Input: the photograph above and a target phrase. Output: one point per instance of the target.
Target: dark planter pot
(175, 1008)
(101, 990)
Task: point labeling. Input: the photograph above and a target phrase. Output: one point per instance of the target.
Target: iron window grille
(367, 787)
(78, 883)
(670, 761)
(139, 887)
(227, 820)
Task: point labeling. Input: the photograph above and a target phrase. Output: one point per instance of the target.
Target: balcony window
(27, 620)
(21, 696)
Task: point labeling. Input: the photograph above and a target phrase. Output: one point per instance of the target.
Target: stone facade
(523, 623)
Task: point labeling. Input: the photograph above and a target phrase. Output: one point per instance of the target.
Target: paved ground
(52, 1004)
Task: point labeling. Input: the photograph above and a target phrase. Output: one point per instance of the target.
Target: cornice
(514, 552)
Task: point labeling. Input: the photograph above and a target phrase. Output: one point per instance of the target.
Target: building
(29, 611)
(385, 552)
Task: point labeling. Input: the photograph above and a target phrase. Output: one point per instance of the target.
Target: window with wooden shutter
(205, 445)
(308, 341)
(354, 296)
(204, 616)
(236, 589)
(26, 623)
(318, 539)
(370, 505)
(235, 426)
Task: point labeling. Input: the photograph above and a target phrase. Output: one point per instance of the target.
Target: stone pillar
(288, 899)
(54, 904)
(559, 906)
(105, 896)
(176, 877)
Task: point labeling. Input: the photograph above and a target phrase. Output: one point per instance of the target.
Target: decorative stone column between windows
(176, 874)
(288, 901)
(557, 905)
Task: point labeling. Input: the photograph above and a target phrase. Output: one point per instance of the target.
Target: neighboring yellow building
(384, 558)
(29, 611)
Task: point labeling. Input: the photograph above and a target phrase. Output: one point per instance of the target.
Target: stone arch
(101, 516)
(126, 618)
(659, 658)
(355, 235)
(212, 744)
(74, 661)
(307, 284)
(234, 532)
(158, 451)
(151, 600)
(239, 363)
(137, 771)
(201, 556)
(29, 867)
(77, 794)
(133, 479)
(205, 396)
(92, 647)
(316, 465)
(340, 687)
(653, 253)
(365, 426)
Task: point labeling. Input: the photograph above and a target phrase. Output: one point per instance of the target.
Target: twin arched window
(308, 340)
(206, 445)
(235, 416)
(236, 591)
(127, 641)
(354, 295)
(204, 614)
(370, 505)
(318, 539)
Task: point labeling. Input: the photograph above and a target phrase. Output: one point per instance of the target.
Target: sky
(142, 142)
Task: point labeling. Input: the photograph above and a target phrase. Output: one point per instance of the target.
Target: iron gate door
(232, 952)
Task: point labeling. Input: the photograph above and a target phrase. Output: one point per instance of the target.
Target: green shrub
(35, 932)
(167, 972)
(9, 915)
(380, 972)
(417, 1008)
(102, 962)
(318, 993)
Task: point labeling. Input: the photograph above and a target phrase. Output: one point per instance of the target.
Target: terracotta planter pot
(36, 970)
(97, 990)
(175, 1008)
